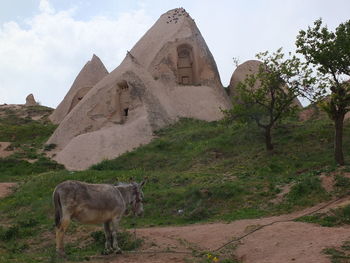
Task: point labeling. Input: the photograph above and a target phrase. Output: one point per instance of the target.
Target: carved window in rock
(119, 103)
(185, 65)
(124, 99)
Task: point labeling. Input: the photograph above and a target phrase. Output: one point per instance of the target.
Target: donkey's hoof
(107, 251)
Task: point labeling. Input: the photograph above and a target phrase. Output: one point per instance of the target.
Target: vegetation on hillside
(329, 53)
(195, 175)
(270, 94)
(27, 128)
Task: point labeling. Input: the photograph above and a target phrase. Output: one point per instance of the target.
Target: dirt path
(4, 152)
(276, 243)
(6, 189)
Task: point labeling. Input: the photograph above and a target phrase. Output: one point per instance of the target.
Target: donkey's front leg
(115, 224)
(109, 238)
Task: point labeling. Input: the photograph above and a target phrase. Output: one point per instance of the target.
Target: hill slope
(23, 132)
(198, 172)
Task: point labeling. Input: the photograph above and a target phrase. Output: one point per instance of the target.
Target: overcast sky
(45, 43)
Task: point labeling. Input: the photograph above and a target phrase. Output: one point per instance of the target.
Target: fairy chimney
(30, 101)
(245, 69)
(90, 74)
(169, 73)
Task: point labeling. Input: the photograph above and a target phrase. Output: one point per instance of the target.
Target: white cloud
(44, 57)
(44, 7)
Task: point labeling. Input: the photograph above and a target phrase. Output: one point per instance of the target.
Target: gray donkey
(95, 204)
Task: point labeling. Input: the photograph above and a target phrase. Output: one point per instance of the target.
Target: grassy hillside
(27, 129)
(198, 172)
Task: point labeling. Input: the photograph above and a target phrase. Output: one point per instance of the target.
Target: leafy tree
(329, 52)
(269, 95)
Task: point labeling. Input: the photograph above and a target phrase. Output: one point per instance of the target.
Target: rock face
(91, 73)
(30, 101)
(240, 74)
(170, 73)
(242, 71)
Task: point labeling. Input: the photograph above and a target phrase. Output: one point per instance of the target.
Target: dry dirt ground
(6, 189)
(280, 241)
(4, 152)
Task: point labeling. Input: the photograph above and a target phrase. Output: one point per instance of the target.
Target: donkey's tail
(58, 208)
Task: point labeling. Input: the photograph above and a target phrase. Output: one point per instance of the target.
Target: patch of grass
(307, 191)
(334, 217)
(49, 147)
(19, 230)
(339, 255)
(14, 169)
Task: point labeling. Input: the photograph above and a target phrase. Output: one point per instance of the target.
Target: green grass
(197, 172)
(27, 137)
(18, 127)
(339, 255)
(334, 217)
(14, 169)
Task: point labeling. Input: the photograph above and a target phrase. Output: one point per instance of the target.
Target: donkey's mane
(122, 184)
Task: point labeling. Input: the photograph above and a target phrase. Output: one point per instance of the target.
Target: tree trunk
(338, 140)
(268, 140)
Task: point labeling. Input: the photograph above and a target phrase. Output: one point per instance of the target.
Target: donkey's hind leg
(60, 230)
(109, 238)
(115, 224)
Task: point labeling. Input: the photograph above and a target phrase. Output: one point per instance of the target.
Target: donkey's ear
(142, 183)
(116, 182)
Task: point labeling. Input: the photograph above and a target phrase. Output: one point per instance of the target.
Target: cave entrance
(124, 99)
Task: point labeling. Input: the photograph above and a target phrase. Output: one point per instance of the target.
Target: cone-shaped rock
(245, 69)
(91, 73)
(30, 101)
(169, 73)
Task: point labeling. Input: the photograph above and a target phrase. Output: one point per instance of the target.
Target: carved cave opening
(124, 99)
(126, 111)
(79, 95)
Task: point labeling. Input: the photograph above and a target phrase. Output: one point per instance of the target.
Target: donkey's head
(137, 198)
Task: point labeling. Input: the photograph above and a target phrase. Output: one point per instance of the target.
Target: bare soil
(6, 189)
(285, 241)
(4, 152)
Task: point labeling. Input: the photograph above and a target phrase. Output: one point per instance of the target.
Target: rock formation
(30, 101)
(242, 71)
(170, 73)
(91, 73)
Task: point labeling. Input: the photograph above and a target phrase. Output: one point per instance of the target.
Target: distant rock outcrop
(30, 101)
(170, 73)
(91, 73)
(245, 69)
